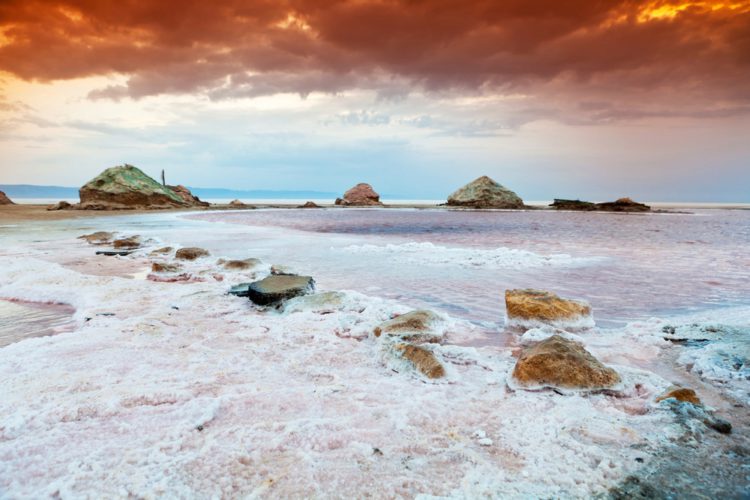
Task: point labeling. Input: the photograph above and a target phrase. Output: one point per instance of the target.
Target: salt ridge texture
(188, 392)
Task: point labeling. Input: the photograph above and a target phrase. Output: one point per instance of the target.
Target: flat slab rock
(561, 364)
(277, 288)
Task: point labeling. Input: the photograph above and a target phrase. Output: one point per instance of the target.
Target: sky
(587, 99)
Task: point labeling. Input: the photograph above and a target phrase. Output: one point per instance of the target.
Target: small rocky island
(620, 205)
(484, 192)
(361, 195)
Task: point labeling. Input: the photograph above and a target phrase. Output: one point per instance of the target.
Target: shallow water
(20, 320)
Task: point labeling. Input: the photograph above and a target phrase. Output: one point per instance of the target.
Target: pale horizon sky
(647, 99)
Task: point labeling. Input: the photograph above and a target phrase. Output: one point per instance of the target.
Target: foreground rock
(621, 205)
(127, 187)
(98, 238)
(274, 289)
(361, 195)
(530, 308)
(422, 359)
(4, 200)
(191, 253)
(561, 364)
(415, 326)
(485, 193)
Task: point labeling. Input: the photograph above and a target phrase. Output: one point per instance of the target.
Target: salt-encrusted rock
(325, 302)
(98, 238)
(310, 204)
(60, 205)
(4, 200)
(130, 242)
(531, 308)
(485, 193)
(686, 411)
(127, 187)
(361, 195)
(239, 265)
(281, 270)
(415, 326)
(191, 253)
(162, 251)
(422, 359)
(621, 205)
(680, 394)
(188, 197)
(562, 364)
(162, 267)
(274, 289)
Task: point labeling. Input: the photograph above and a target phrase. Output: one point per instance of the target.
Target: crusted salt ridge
(187, 392)
(426, 253)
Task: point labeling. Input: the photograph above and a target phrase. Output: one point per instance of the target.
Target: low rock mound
(239, 265)
(423, 360)
(127, 187)
(485, 193)
(310, 204)
(561, 364)
(190, 253)
(415, 326)
(60, 205)
(361, 195)
(4, 200)
(128, 243)
(621, 205)
(274, 289)
(531, 308)
(680, 394)
(98, 238)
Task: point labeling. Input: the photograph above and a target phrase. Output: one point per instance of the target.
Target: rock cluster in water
(361, 195)
(4, 200)
(620, 205)
(127, 187)
(485, 193)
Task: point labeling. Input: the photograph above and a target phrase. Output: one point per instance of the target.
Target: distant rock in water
(4, 200)
(361, 195)
(310, 204)
(485, 193)
(621, 205)
(127, 187)
(60, 205)
(188, 197)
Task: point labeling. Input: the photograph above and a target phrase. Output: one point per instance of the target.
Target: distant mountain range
(31, 191)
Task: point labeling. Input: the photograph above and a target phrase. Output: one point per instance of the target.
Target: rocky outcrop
(422, 359)
(531, 308)
(310, 204)
(190, 253)
(561, 364)
(239, 265)
(60, 205)
(127, 187)
(621, 205)
(680, 394)
(415, 326)
(4, 200)
(274, 289)
(128, 243)
(485, 193)
(188, 197)
(361, 195)
(162, 251)
(98, 238)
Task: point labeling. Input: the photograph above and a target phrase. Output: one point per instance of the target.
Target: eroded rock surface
(361, 195)
(415, 326)
(423, 360)
(485, 193)
(562, 364)
(620, 205)
(533, 307)
(127, 187)
(4, 200)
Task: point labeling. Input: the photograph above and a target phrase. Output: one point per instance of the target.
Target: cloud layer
(617, 59)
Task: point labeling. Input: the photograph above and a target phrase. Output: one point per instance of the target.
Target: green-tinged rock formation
(485, 193)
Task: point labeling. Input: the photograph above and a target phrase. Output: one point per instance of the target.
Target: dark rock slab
(277, 288)
(112, 253)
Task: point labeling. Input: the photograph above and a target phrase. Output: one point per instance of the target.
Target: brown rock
(360, 195)
(240, 265)
(310, 204)
(60, 205)
(188, 197)
(161, 267)
(415, 326)
(162, 251)
(422, 359)
(237, 204)
(98, 238)
(680, 394)
(563, 364)
(4, 200)
(191, 253)
(131, 242)
(542, 306)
